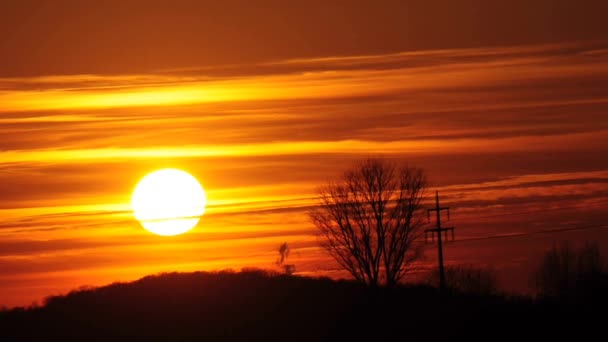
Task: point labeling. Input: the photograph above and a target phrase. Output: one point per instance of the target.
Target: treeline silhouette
(571, 273)
(257, 305)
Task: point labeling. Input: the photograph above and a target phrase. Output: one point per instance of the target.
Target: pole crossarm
(438, 230)
(432, 231)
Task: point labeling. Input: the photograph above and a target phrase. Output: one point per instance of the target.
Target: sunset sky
(503, 103)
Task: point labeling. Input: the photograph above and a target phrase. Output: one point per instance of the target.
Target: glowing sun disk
(168, 202)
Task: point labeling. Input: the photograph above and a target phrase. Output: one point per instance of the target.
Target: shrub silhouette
(467, 279)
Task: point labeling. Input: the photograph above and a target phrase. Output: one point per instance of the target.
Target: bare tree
(284, 251)
(369, 219)
(568, 272)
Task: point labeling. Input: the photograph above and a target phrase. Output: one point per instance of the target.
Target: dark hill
(257, 306)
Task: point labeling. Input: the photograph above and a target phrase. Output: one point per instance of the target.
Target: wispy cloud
(503, 130)
(309, 78)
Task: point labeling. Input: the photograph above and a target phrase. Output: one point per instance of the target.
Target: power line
(529, 211)
(539, 232)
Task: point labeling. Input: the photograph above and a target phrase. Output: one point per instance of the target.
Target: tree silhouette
(567, 272)
(283, 254)
(468, 279)
(369, 218)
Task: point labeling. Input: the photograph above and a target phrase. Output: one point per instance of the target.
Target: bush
(467, 279)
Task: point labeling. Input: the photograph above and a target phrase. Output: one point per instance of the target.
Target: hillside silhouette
(256, 305)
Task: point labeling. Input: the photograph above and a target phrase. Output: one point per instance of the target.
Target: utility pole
(439, 230)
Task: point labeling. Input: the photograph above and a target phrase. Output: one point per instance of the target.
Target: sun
(168, 202)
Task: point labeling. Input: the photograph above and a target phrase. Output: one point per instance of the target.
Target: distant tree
(369, 219)
(284, 251)
(568, 272)
(468, 279)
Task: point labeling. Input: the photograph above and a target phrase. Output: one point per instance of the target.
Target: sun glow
(168, 202)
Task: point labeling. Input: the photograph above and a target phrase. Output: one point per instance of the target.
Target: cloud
(411, 100)
(500, 131)
(66, 38)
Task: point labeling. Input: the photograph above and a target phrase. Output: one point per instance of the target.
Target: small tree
(283, 254)
(368, 220)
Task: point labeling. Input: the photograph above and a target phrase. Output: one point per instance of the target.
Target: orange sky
(510, 127)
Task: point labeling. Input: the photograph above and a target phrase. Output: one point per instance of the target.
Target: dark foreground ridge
(258, 306)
